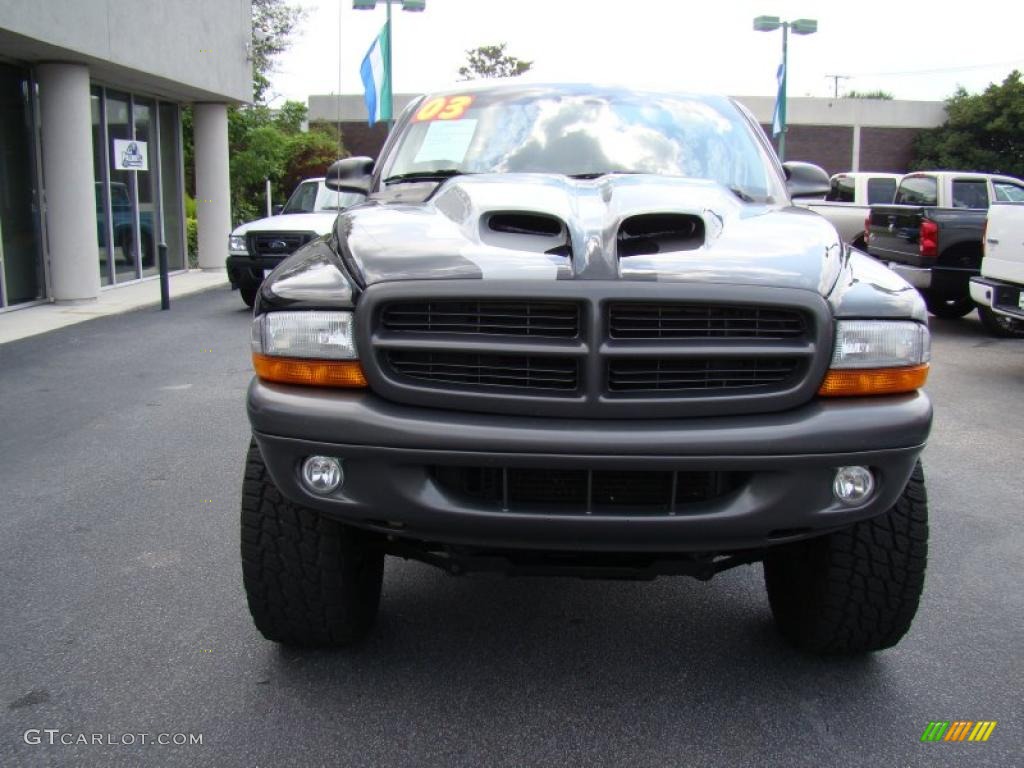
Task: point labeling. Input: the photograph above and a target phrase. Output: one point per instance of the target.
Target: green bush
(192, 231)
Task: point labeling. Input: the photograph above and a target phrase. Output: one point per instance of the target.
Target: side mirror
(276, 210)
(352, 174)
(806, 180)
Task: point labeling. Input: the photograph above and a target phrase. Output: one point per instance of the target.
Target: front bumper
(788, 461)
(999, 296)
(919, 277)
(250, 270)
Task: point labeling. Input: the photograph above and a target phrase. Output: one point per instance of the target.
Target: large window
(139, 202)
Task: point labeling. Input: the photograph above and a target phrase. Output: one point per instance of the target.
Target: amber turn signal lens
(873, 381)
(312, 373)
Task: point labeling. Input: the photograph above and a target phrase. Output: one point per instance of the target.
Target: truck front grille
(504, 318)
(462, 369)
(658, 350)
(629, 320)
(582, 491)
(699, 374)
(279, 244)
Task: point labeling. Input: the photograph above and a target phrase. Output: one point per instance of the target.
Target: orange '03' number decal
(444, 108)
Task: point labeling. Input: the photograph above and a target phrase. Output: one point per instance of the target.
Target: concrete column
(855, 160)
(213, 183)
(66, 118)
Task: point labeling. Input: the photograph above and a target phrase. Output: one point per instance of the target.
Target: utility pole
(836, 79)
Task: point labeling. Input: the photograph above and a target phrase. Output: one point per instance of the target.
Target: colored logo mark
(958, 730)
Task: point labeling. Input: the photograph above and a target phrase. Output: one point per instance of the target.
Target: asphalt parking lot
(121, 448)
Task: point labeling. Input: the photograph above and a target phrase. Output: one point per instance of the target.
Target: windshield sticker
(446, 141)
(444, 108)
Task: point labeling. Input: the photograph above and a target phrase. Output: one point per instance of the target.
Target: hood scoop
(522, 231)
(652, 233)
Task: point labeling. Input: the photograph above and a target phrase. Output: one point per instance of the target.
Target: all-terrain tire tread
(856, 590)
(309, 580)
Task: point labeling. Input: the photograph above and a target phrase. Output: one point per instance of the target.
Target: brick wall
(830, 146)
(887, 149)
(361, 139)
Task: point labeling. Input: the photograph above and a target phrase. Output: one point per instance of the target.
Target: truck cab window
(842, 190)
(917, 190)
(970, 194)
(881, 191)
(1008, 193)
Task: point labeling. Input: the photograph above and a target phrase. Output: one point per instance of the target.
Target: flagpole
(782, 94)
(391, 93)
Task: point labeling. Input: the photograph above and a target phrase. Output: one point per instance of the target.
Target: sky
(912, 50)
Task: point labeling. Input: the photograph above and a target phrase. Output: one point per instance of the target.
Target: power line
(939, 70)
(836, 79)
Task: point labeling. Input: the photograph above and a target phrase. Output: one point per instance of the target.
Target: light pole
(799, 27)
(407, 5)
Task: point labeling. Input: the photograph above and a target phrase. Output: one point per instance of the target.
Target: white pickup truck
(256, 247)
(850, 199)
(999, 290)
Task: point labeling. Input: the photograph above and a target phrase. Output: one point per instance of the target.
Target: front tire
(1000, 325)
(310, 581)
(248, 293)
(947, 307)
(856, 590)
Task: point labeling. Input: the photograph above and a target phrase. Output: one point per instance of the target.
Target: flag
(779, 115)
(377, 77)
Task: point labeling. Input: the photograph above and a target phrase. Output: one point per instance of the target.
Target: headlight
(312, 348)
(880, 344)
(236, 244)
(878, 357)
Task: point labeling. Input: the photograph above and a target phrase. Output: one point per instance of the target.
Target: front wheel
(949, 307)
(856, 590)
(310, 581)
(1000, 325)
(248, 292)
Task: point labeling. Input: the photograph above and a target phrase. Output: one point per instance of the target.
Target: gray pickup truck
(584, 332)
(932, 233)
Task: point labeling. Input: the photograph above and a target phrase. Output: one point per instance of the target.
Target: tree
(309, 154)
(273, 22)
(878, 95)
(492, 61)
(983, 132)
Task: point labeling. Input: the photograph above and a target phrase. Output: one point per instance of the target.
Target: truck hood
(454, 234)
(320, 223)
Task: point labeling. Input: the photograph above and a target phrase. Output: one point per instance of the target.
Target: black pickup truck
(584, 331)
(932, 233)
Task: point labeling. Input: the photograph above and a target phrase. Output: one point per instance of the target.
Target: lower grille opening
(583, 491)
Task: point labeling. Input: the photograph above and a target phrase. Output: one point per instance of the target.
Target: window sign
(130, 155)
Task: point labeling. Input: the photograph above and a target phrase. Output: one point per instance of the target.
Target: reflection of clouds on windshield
(590, 134)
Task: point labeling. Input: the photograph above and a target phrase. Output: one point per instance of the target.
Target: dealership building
(91, 169)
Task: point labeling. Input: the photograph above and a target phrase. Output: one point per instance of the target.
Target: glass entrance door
(21, 271)
(123, 213)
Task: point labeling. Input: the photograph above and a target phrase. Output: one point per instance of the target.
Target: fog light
(853, 484)
(322, 474)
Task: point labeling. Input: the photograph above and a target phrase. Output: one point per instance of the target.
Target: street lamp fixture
(799, 27)
(407, 5)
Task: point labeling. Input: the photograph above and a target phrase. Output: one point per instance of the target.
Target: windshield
(312, 196)
(585, 135)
